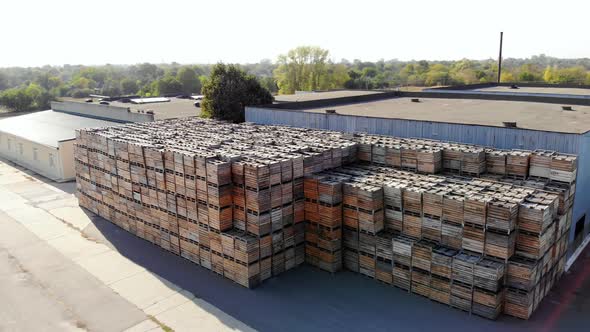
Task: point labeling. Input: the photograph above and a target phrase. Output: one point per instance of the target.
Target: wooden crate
(519, 303)
(351, 260)
(422, 255)
(473, 238)
(420, 282)
(402, 250)
(452, 235)
(433, 202)
(432, 228)
(563, 168)
(522, 273)
(384, 270)
(402, 276)
(412, 200)
(442, 261)
(367, 264)
(499, 244)
(412, 225)
(475, 208)
(453, 210)
(496, 161)
(533, 245)
(534, 217)
(461, 295)
(464, 267)
(488, 274)
(502, 215)
(440, 289)
(384, 246)
(517, 163)
(488, 304)
(540, 163)
(394, 219)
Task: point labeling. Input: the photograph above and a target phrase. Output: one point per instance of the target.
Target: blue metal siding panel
(582, 200)
(504, 138)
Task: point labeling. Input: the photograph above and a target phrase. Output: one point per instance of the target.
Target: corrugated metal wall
(503, 138)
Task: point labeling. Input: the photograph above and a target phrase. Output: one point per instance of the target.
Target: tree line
(302, 68)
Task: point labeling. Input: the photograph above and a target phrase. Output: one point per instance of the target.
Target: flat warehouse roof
(530, 89)
(527, 115)
(307, 96)
(49, 127)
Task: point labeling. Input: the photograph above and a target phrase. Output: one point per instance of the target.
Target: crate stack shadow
(476, 228)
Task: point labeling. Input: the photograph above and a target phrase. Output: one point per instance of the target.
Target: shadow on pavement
(306, 299)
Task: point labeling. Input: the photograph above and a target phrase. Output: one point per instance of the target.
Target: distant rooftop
(526, 114)
(49, 127)
(319, 95)
(163, 108)
(531, 89)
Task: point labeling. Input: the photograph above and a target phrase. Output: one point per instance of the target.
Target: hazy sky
(128, 31)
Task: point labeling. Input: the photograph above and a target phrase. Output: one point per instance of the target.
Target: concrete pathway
(97, 288)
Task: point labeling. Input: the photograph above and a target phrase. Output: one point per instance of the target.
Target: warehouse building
(527, 120)
(44, 141)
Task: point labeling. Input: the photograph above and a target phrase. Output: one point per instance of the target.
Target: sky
(57, 32)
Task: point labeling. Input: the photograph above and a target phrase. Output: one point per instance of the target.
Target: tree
(166, 85)
(336, 76)
(16, 99)
(129, 86)
(507, 77)
(189, 80)
(301, 68)
(269, 83)
(437, 75)
(229, 90)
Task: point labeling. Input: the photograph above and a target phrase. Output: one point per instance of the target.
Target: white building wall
(39, 158)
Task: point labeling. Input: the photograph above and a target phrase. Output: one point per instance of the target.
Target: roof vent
(331, 111)
(415, 100)
(514, 86)
(509, 124)
(567, 108)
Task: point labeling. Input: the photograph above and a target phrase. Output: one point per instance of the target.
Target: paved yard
(71, 270)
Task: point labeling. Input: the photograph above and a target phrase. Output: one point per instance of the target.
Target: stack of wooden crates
(248, 202)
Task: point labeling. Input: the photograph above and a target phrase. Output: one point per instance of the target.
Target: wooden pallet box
(464, 267)
(519, 303)
(489, 274)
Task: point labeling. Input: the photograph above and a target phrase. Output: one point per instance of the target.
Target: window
(35, 154)
(51, 161)
(20, 149)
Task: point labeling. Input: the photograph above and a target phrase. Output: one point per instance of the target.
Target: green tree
(437, 75)
(166, 85)
(269, 83)
(301, 68)
(189, 80)
(41, 99)
(129, 86)
(229, 90)
(16, 99)
(507, 77)
(549, 75)
(336, 76)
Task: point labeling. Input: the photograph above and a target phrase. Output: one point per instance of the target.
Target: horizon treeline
(302, 68)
